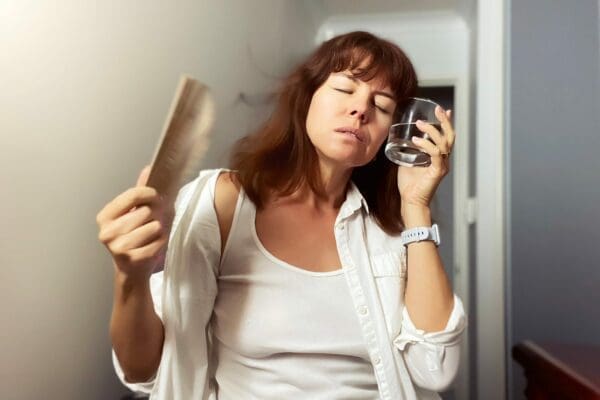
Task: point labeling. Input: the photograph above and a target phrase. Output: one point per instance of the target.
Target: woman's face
(348, 119)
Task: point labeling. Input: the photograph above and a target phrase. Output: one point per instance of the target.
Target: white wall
(84, 89)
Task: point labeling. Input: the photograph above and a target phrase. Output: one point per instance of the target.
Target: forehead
(361, 64)
(378, 82)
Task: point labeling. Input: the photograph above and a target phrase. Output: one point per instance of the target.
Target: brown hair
(279, 156)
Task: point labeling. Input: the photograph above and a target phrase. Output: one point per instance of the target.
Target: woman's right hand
(134, 227)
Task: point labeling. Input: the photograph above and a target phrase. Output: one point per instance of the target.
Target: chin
(346, 160)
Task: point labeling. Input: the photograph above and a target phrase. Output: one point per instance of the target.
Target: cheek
(379, 138)
(381, 135)
(319, 112)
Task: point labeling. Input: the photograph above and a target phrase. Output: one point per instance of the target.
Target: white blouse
(407, 363)
(282, 332)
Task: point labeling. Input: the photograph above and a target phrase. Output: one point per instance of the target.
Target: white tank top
(282, 332)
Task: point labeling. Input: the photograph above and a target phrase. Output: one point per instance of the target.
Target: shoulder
(227, 190)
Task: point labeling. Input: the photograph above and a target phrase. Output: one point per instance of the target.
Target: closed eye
(344, 91)
(382, 109)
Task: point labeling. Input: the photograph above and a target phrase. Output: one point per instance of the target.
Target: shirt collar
(355, 199)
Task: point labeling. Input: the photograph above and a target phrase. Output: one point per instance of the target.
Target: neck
(335, 183)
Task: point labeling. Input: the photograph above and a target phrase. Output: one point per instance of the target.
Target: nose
(361, 112)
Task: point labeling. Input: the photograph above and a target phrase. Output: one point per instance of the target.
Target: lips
(353, 131)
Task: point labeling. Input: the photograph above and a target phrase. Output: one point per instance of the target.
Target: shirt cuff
(140, 387)
(434, 342)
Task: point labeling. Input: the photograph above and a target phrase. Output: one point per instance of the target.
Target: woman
(285, 276)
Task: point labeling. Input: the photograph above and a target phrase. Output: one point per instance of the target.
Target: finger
(446, 125)
(147, 252)
(126, 223)
(436, 155)
(125, 201)
(136, 239)
(143, 177)
(438, 139)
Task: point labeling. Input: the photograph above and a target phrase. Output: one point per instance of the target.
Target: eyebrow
(379, 92)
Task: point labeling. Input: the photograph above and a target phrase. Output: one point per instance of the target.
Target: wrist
(415, 215)
(128, 286)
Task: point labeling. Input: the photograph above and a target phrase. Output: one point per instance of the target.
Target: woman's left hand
(417, 185)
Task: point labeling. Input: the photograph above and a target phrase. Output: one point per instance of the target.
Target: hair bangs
(375, 60)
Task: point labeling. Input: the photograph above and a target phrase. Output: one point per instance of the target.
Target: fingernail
(416, 139)
(419, 122)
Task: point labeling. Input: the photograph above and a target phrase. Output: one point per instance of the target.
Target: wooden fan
(184, 140)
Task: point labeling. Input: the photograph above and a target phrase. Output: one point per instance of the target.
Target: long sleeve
(184, 293)
(156, 281)
(432, 358)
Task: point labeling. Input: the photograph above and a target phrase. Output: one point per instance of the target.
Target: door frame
(493, 313)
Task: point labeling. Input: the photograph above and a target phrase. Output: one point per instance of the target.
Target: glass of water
(400, 148)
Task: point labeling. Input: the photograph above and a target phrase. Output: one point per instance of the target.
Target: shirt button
(377, 360)
(341, 227)
(363, 310)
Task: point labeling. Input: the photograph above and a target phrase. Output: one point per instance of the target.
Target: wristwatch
(421, 233)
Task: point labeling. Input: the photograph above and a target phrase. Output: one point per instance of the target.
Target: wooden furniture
(559, 371)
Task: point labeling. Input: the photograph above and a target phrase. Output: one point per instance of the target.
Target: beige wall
(84, 89)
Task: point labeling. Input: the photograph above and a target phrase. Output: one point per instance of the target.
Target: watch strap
(421, 233)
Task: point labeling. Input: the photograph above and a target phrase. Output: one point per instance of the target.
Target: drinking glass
(400, 149)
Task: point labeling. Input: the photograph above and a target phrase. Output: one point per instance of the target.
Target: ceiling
(339, 7)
